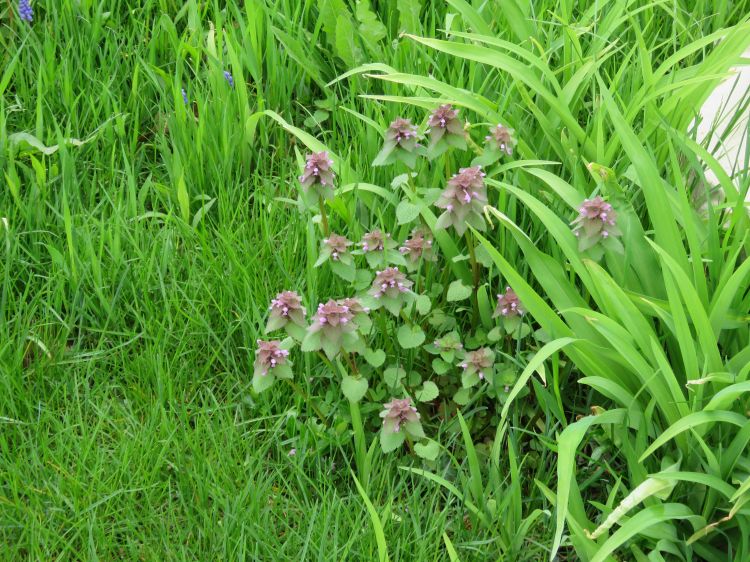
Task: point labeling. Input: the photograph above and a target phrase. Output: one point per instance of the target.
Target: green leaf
(406, 212)
(457, 291)
(428, 392)
(375, 357)
(409, 15)
(462, 396)
(410, 336)
(390, 441)
(393, 375)
(183, 199)
(427, 450)
(423, 304)
(376, 523)
(354, 388)
(346, 46)
(263, 382)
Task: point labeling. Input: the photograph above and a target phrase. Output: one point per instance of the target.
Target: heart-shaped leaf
(428, 450)
(457, 291)
(354, 388)
(428, 392)
(375, 357)
(410, 336)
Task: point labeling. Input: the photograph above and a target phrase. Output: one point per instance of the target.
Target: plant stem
(306, 399)
(360, 453)
(324, 216)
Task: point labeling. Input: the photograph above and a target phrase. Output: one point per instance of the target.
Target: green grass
(138, 267)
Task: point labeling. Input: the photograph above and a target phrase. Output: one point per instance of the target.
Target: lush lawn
(143, 238)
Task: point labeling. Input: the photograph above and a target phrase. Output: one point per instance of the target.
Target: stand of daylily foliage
(339, 331)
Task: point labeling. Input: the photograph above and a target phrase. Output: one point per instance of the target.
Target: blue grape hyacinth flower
(25, 10)
(228, 76)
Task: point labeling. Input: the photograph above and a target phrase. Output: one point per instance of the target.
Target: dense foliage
(278, 272)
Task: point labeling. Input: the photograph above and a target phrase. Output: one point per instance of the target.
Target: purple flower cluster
(596, 221)
(463, 200)
(269, 356)
(228, 77)
(418, 247)
(477, 365)
(508, 304)
(337, 247)
(25, 11)
(401, 143)
(286, 311)
(390, 283)
(374, 241)
(501, 138)
(446, 130)
(335, 326)
(318, 175)
(398, 414)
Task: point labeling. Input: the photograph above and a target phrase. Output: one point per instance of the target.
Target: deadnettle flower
(25, 11)
(501, 138)
(400, 418)
(335, 247)
(271, 361)
(378, 249)
(401, 143)
(334, 328)
(416, 248)
(286, 311)
(446, 130)
(477, 365)
(508, 304)
(318, 176)
(391, 289)
(463, 200)
(595, 222)
(447, 346)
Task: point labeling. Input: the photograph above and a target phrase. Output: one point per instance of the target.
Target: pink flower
(463, 200)
(398, 414)
(508, 304)
(269, 356)
(318, 175)
(502, 139)
(286, 309)
(595, 222)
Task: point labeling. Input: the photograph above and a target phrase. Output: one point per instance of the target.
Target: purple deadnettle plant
(318, 177)
(335, 251)
(498, 143)
(401, 144)
(477, 365)
(400, 419)
(334, 328)
(509, 308)
(595, 226)
(463, 200)
(271, 363)
(391, 289)
(379, 249)
(447, 347)
(286, 311)
(417, 248)
(446, 130)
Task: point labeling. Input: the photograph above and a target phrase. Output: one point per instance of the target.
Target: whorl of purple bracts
(595, 217)
(397, 412)
(444, 120)
(374, 241)
(479, 362)
(390, 282)
(333, 314)
(288, 306)
(502, 138)
(318, 170)
(228, 77)
(338, 244)
(417, 246)
(25, 10)
(463, 189)
(401, 130)
(269, 355)
(354, 306)
(508, 304)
